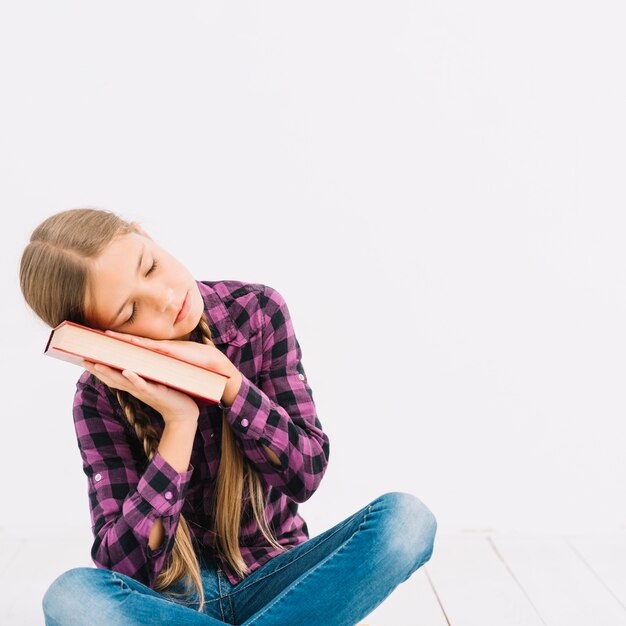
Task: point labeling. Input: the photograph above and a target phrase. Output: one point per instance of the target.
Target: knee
(61, 599)
(409, 529)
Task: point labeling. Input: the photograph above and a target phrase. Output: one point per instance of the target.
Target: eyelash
(131, 319)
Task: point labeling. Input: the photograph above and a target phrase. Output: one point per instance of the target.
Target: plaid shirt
(250, 323)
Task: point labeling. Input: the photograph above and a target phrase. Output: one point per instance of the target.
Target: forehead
(118, 261)
(123, 244)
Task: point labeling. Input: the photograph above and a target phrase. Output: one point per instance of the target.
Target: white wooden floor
(472, 579)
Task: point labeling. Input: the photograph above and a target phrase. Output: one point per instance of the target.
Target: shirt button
(98, 477)
(301, 376)
(244, 422)
(168, 495)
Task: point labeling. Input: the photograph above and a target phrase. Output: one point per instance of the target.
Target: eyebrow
(128, 299)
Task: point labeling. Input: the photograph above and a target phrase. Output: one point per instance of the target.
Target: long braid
(182, 561)
(139, 421)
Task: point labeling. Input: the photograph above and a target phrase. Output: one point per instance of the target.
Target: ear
(140, 230)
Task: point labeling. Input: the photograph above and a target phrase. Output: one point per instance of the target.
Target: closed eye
(131, 319)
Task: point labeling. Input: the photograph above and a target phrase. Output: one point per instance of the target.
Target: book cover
(74, 342)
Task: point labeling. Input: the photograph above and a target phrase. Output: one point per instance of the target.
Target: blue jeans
(336, 578)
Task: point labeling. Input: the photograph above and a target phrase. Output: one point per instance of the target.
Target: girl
(195, 511)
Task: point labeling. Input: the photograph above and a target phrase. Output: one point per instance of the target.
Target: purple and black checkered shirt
(251, 324)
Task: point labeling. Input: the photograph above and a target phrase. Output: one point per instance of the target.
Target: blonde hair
(54, 278)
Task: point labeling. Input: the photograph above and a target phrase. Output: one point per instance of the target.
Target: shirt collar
(223, 328)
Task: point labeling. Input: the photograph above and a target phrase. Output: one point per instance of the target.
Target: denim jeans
(335, 578)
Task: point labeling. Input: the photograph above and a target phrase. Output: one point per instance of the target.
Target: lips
(184, 309)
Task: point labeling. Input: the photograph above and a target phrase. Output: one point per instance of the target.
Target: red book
(73, 342)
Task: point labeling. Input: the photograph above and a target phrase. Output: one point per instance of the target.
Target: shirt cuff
(249, 411)
(162, 487)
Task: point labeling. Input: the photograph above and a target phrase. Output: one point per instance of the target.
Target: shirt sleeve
(124, 502)
(279, 412)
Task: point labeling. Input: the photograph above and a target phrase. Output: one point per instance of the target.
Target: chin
(192, 321)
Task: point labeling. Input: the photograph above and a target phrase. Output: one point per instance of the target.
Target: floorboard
(560, 585)
(605, 555)
(475, 587)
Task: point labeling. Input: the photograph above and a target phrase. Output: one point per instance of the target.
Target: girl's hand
(172, 404)
(201, 354)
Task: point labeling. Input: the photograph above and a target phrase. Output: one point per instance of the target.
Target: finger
(104, 372)
(117, 334)
(90, 367)
(135, 379)
(141, 387)
(110, 376)
(122, 377)
(137, 386)
(126, 336)
(141, 341)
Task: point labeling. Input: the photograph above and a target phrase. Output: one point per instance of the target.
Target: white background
(437, 190)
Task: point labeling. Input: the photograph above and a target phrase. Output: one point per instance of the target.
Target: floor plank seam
(517, 581)
(432, 586)
(594, 572)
